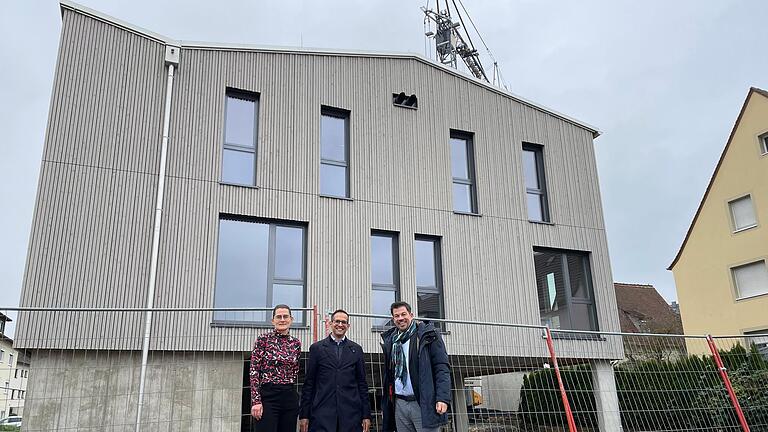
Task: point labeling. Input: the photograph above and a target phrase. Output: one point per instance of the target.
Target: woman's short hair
(281, 306)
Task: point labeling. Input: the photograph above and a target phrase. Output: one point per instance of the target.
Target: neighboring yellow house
(720, 271)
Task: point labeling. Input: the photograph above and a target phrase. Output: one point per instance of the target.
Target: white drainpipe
(172, 61)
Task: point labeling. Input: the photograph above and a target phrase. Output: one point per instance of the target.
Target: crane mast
(450, 43)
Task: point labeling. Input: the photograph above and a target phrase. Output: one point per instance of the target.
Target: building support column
(460, 417)
(606, 397)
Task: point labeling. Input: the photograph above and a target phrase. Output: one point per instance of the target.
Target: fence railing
(80, 370)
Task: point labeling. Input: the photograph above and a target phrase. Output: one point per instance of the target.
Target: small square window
(764, 143)
(751, 279)
(742, 213)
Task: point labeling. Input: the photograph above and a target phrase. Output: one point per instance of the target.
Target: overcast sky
(663, 80)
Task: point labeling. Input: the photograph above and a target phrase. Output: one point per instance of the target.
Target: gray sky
(663, 80)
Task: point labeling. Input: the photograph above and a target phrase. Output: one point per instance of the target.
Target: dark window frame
(438, 269)
(589, 300)
(329, 111)
(396, 285)
(271, 278)
(541, 191)
(255, 98)
(469, 139)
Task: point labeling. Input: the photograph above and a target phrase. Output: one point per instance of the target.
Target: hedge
(681, 394)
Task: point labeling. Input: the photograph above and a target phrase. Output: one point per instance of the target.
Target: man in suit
(417, 379)
(335, 394)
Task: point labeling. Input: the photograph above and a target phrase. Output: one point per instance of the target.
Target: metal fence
(80, 369)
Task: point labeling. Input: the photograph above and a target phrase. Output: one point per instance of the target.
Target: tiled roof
(643, 310)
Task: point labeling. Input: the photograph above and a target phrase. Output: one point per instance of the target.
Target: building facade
(14, 372)
(720, 271)
(300, 177)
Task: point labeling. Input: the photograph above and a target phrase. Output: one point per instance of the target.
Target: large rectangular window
(385, 274)
(463, 172)
(564, 285)
(429, 278)
(240, 131)
(334, 152)
(259, 264)
(751, 279)
(742, 213)
(535, 184)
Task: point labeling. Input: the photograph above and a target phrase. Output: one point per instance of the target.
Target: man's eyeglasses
(341, 322)
(282, 317)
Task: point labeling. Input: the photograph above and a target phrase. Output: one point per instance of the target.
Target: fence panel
(79, 369)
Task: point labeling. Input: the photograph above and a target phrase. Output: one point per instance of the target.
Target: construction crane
(452, 41)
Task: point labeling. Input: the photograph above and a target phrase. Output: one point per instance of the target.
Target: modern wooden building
(302, 177)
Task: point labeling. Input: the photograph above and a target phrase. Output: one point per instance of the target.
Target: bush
(682, 394)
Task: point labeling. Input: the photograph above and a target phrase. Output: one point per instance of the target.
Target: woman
(274, 367)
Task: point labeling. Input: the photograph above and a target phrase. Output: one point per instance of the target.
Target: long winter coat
(429, 372)
(335, 389)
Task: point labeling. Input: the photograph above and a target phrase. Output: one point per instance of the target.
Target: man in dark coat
(417, 379)
(335, 394)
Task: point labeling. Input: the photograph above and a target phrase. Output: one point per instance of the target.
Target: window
(751, 279)
(385, 274)
(334, 152)
(10, 359)
(564, 285)
(259, 264)
(7, 385)
(742, 213)
(16, 373)
(429, 285)
(535, 185)
(760, 340)
(240, 132)
(2, 352)
(463, 172)
(763, 143)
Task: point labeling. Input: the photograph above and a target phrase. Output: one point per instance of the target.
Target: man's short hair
(339, 311)
(399, 304)
(281, 306)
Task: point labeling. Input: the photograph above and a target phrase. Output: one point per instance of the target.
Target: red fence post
(566, 404)
(315, 323)
(727, 381)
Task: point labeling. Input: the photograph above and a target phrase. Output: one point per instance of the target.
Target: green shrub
(682, 394)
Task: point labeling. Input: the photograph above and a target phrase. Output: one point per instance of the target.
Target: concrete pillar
(606, 397)
(459, 406)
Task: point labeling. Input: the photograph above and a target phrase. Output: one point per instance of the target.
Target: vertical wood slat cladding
(400, 180)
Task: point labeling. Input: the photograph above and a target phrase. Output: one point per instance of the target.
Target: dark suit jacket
(335, 389)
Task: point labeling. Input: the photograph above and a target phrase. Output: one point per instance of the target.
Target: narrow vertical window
(240, 131)
(429, 285)
(463, 172)
(259, 264)
(535, 184)
(385, 274)
(334, 152)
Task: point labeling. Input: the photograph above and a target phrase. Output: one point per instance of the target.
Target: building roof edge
(70, 5)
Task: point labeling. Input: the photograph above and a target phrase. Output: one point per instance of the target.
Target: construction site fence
(71, 369)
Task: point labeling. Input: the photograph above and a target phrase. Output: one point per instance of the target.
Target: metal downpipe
(156, 233)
